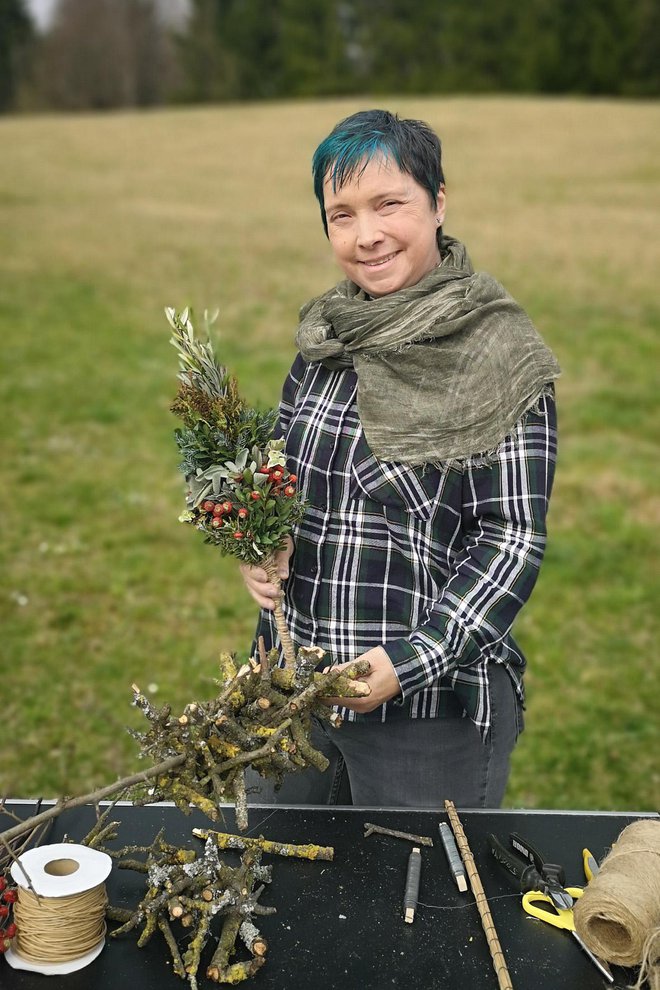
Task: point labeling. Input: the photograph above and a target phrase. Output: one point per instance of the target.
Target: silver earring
(437, 220)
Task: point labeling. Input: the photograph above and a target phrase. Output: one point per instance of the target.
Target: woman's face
(382, 227)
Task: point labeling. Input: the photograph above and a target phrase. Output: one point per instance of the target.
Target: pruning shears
(528, 866)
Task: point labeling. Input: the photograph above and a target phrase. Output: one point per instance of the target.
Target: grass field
(106, 219)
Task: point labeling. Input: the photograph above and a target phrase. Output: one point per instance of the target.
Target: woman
(419, 418)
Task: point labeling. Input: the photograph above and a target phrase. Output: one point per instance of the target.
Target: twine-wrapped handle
(488, 925)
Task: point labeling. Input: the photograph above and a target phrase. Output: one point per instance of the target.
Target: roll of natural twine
(59, 929)
(618, 916)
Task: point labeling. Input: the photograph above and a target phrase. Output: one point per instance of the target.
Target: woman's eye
(390, 203)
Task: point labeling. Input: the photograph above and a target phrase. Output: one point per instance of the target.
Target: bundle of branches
(261, 718)
(192, 890)
(240, 493)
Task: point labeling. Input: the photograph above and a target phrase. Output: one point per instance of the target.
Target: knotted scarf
(444, 367)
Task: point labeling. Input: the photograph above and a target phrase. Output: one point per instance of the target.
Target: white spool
(59, 870)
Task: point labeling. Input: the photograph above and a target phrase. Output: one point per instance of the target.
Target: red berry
(3, 884)
(217, 509)
(243, 513)
(277, 474)
(4, 911)
(10, 930)
(238, 536)
(290, 490)
(226, 506)
(293, 477)
(255, 496)
(216, 522)
(4, 944)
(10, 897)
(208, 506)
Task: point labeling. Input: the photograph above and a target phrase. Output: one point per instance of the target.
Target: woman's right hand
(257, 582)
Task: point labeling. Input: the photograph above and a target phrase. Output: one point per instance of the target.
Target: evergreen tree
(641, 75)
(16, 33)
(251, 32)
(203, 60)
(315, 38)
(258, 49)
(403, 45)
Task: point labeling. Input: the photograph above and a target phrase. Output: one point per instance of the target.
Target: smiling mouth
(379, 262)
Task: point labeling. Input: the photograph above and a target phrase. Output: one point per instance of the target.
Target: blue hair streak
(358, 139)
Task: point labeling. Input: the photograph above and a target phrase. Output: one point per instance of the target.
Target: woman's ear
(440, 205)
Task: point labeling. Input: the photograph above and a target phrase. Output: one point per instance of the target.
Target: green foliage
(258, 49)
(240, 492)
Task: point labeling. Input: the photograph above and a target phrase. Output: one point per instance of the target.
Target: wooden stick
(422, 840)
(499, 962)
(285, 637)
(65, 803)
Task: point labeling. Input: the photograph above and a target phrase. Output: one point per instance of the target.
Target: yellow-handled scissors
(590, 865)
(540, 905)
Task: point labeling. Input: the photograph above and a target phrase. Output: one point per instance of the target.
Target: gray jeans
(408, 763)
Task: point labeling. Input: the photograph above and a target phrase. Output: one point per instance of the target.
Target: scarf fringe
(488, 458)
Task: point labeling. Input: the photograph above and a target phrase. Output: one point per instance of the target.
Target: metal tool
(532, 872)
(540, 905)
(591, 867)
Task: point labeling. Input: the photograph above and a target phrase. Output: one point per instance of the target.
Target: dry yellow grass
(198, 198)
(107, 218)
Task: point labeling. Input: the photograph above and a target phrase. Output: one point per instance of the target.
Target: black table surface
(339, 924)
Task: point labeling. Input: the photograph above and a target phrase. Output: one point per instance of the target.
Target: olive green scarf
(445, 367)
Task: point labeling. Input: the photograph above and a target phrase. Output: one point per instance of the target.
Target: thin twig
(423, 840)
(65, 803)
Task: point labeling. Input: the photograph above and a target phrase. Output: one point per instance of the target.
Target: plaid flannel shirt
(431, 562)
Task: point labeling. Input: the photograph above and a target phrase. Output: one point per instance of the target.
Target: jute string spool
(59, 929)
(618, 917)
(60, 909)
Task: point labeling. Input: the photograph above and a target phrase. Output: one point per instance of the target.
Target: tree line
(101, 54)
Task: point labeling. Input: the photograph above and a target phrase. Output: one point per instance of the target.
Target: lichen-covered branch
(225, 840)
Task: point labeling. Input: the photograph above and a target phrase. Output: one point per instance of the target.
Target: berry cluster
(240, 493)
(8, 896)
(255, 507)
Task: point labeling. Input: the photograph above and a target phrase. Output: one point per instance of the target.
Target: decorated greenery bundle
(239, 491)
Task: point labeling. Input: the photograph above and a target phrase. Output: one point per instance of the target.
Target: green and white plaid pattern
(432, 562)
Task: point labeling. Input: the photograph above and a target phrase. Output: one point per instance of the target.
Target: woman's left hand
(381, 679)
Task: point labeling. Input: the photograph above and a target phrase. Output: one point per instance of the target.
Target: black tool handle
(530, 878)
(528, 875)
(526, 850)
(551, 871)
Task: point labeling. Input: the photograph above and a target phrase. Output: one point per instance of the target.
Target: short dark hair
(354, 141)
